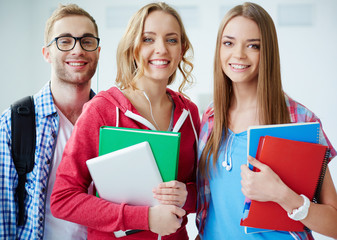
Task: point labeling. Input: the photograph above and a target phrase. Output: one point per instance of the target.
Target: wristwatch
(301, 212)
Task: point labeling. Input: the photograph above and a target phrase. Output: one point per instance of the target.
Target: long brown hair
(271, 102)
(128, 49)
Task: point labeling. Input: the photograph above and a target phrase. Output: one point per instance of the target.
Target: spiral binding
(321, 177)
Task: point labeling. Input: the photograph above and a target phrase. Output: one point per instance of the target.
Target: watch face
(300, 212)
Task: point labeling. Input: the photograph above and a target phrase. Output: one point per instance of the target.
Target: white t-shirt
(55, 228)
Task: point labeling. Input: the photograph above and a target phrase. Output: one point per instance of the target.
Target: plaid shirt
(47, 123)
(298, 113)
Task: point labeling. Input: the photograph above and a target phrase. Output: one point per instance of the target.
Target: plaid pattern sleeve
(8, 178)
(37, 180)
(299, 113)
(203, 196)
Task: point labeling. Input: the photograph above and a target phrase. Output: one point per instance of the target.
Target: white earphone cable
(147, 98)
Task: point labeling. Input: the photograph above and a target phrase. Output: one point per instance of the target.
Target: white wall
(308, 50)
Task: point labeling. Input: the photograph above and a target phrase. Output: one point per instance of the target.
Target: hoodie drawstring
(140, 119)
(145, 122)
(195, 132)
(117, 116)
(180, 121)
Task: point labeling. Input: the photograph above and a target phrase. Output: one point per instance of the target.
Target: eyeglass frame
(76, 39)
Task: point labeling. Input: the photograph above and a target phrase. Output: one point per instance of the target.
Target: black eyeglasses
(67, 43)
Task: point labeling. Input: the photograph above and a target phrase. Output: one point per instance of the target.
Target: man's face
(76, 66)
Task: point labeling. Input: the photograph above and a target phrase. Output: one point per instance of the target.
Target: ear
(46, 54)
(99, 51)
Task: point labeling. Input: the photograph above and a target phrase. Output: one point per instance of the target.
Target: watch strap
(301, 212)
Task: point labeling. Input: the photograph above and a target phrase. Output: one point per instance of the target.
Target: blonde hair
(271, 102)
(65, 11)
(128, 49)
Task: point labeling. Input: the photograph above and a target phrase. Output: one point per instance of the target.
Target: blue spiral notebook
(305, 132)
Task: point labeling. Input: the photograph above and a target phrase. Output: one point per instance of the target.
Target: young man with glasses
(72, 49)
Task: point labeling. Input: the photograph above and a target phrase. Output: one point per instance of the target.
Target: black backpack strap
(23, 145)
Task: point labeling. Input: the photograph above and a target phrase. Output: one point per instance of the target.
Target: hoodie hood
(117, 98)
(125, 107)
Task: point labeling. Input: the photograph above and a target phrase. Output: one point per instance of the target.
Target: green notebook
(164, 145)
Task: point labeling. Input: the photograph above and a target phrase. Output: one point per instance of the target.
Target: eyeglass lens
(68, 43)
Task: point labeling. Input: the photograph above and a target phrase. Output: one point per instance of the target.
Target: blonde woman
(248, 91)
(153, 47)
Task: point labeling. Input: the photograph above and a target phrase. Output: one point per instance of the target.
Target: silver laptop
(127, 175)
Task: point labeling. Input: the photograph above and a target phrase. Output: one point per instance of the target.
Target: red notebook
(301, 166)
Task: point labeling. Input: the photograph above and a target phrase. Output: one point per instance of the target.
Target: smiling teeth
(239, 66)
(76, 64)
(158, 63)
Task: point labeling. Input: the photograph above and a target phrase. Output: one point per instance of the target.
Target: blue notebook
(305, 132)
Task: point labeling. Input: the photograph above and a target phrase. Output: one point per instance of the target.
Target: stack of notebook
(293, 153)
(132, 162)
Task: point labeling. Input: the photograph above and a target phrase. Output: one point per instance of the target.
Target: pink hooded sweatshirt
(70, 200)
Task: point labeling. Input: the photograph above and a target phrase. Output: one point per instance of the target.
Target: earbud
(225, 165)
